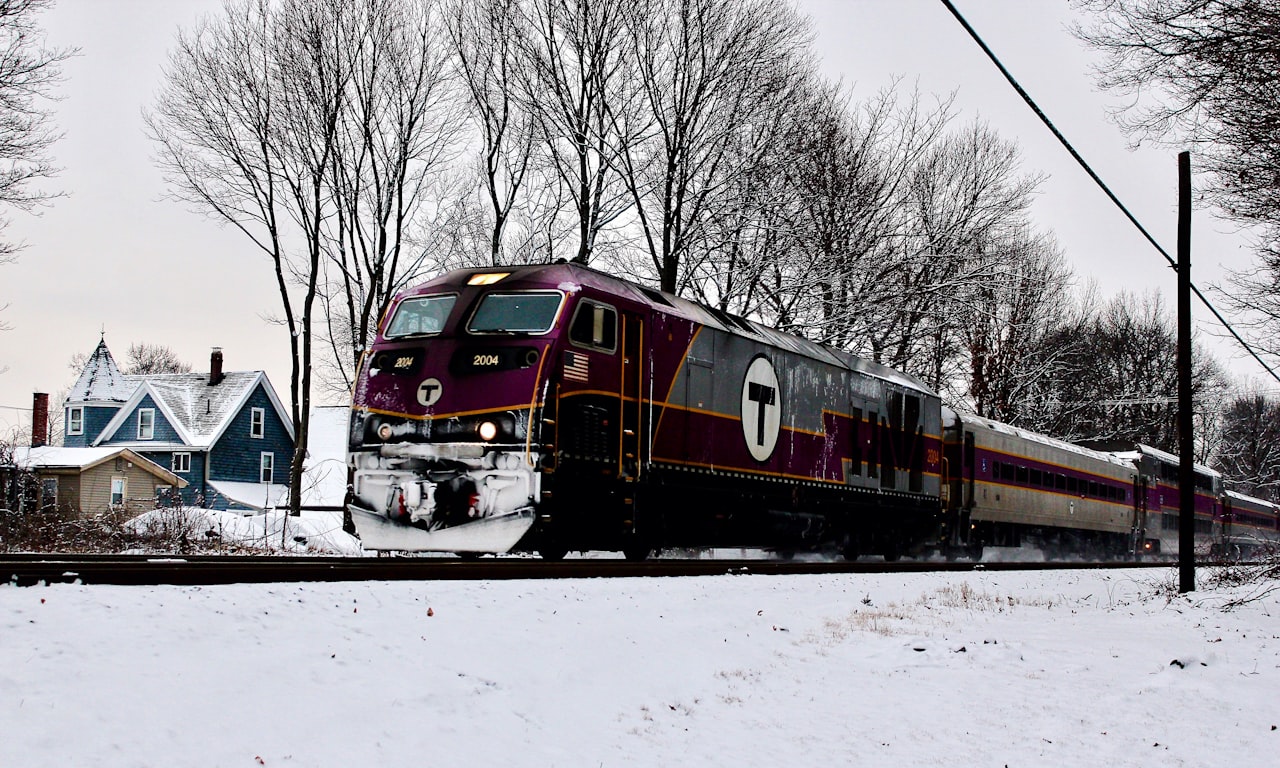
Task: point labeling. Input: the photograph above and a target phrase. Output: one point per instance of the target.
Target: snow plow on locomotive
(554, 408)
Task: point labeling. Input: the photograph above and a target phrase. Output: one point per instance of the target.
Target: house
(89, 481)
(225, 433)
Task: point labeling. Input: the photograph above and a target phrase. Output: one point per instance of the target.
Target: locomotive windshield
(516, 313)
(422, 315)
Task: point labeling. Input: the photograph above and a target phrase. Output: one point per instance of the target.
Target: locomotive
(557, 408)
(552, 408)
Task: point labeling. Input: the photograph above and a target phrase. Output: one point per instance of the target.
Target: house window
(257, 421)
(49, 491)
(117, 491)
(75, 421)
(146, 423)
(267, 467)
(181, 462)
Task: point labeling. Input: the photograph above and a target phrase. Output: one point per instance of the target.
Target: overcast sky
(114, 255)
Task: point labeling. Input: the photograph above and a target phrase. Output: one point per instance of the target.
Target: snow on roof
(198, 411)
(950, 416)
(257, 496)
(1141, 450)
(52, 456)
(101, 379)
(57, 456)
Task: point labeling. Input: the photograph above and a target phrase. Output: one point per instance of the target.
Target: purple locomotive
(555, 408)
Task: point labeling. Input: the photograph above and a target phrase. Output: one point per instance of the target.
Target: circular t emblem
(761, 408)
(429, 392)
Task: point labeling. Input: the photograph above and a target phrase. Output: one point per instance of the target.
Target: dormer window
(146, 423)
(75, 420)
(257, 422)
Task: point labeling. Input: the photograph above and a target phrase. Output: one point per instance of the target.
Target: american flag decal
(575, 366)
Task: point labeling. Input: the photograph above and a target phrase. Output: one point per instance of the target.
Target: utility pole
(1186, 457)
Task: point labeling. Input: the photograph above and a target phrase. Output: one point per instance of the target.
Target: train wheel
(974, 551)
(553, 552)
(636, 553)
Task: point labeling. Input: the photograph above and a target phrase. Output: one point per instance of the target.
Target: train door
(632, 446)
(1140, 542)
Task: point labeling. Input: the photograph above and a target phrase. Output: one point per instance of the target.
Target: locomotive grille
(586, 433)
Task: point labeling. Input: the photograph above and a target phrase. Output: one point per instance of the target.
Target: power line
(1101, 184)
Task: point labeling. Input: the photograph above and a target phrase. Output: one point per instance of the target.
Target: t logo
(429, 392)
(761, 408)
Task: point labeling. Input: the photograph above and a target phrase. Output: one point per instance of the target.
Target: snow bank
(983, 668)
(272, 531)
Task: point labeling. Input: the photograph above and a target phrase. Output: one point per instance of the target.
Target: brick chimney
(39, 419)
(215, 367)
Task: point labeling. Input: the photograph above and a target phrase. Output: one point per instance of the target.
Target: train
(555, 408)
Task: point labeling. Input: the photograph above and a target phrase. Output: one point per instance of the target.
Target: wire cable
(1101, 184)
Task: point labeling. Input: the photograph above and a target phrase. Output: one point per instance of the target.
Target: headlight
(488, 430)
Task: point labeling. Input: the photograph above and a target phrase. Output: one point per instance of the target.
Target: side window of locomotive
(532, 312)
(595, 326)
(420, 316)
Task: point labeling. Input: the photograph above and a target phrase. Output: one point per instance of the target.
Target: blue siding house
(226, 433)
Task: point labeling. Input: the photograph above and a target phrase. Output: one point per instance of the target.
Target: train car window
(1060, 482)
(532, 312)
(1093, 488)
(420, 316)
(1170, 522)
(1022, 474)
(1037, 479)
(595, 325)
(1072, 485)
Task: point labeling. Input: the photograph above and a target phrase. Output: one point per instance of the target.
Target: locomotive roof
(570, 278)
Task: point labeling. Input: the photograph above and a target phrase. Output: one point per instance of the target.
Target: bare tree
(398, 126)
(247, 124)
(965, 193)
(28, 72)
(578, 83)
(706, 69)
(1004, 322)
(484, 35)
(1249, 455)
(1207, 72)
(1116, 378)
(144, 358)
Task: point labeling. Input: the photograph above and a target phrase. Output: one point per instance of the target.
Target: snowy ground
(976, 669)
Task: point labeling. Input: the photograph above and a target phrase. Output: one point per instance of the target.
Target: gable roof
(56, 457)
(198, 411)
(101, 380)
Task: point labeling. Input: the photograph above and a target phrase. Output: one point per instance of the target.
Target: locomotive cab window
(595, 326)
(420, 316)
(533, 313)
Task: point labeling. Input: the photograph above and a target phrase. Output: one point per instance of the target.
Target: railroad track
(27, 570)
